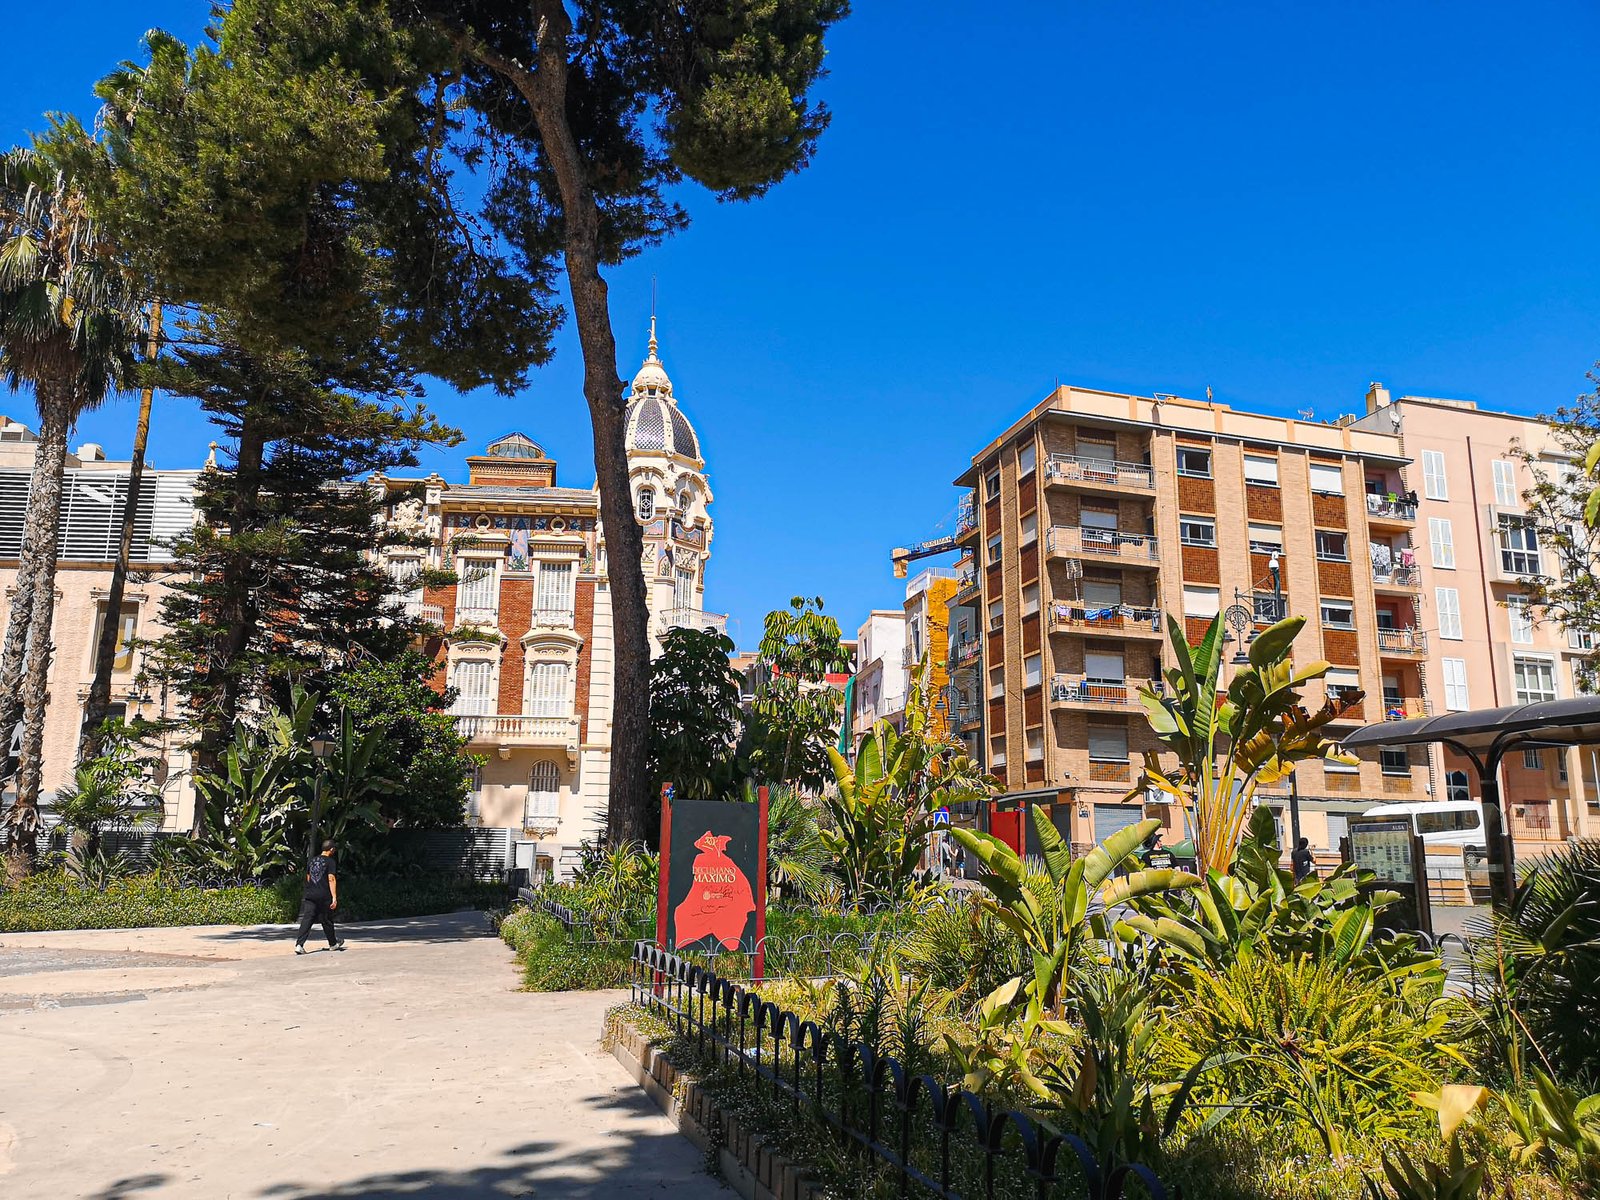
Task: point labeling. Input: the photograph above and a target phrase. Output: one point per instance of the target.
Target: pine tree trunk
(105, 653)
(545, 89)
(236, 615)
(42, 527)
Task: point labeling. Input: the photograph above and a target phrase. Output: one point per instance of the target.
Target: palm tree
(68, 323)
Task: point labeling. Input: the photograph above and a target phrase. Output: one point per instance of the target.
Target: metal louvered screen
(92, 504)
(547, 692)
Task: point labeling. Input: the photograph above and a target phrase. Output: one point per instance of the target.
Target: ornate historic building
(526, 635)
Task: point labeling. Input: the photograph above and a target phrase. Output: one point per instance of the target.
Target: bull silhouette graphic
(719, 902)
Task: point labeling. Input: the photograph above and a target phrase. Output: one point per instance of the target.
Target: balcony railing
(965, 651)
(1404, 577)
(514, 730)
(1402, 641)
(485, 618)
(967, 514)
(433, 614)
(1070, 468)
(1402, 708)
(553, 618)
(967, 580)
(1390, 506)
(1103, 543)
(966, 715)
(1080, 689)
(1117, 618)
(693, 618)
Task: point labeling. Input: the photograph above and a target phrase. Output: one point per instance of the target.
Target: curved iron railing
(872, 1102)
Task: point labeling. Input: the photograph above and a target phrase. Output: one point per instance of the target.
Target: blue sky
(1279, 201)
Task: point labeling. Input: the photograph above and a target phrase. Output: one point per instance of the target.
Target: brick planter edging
(749, 1165)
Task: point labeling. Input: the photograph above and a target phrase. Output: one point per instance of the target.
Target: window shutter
(547, 691)
(1327, 477)
(544, 793)
(555, 587)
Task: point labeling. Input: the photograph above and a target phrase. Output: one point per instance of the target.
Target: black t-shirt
(317, 872)
(1303, 862)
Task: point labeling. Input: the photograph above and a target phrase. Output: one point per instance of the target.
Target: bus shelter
(1484, 737)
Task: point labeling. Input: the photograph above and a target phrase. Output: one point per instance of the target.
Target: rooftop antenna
(1308, 414)
(652, 317)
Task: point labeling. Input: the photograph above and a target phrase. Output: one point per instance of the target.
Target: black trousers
(315, 910)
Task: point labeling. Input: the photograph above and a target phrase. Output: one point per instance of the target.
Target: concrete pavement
(213, 1063)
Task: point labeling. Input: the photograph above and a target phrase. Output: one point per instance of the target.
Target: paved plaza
(213, 1063)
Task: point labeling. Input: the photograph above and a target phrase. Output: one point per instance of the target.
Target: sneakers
(299, 949)
(339, 945)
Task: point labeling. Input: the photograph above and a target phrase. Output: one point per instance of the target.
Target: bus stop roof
(1574, 722)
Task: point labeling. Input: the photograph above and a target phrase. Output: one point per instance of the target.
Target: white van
(1441, 824)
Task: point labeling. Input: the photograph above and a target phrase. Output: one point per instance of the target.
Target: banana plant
(1055, 931)
(1229, 743)
(883, 808)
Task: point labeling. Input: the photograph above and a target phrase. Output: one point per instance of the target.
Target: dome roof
(655, 424)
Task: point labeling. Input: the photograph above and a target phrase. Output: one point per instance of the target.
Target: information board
(1392, 851)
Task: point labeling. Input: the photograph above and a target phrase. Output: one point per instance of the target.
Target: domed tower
(671, 500)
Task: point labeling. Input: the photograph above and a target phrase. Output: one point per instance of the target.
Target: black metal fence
(933, 1138)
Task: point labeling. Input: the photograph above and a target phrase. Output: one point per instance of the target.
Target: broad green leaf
(1273, 643)
(1146, 883)
(1106, 857)
(1056, 853)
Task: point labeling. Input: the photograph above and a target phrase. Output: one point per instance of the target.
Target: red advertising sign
(713, 876)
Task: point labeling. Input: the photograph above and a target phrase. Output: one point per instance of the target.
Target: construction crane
(901, 556)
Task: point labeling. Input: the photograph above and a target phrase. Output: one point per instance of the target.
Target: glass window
(1448, 602)
(1505, 483)
(1327, 478)
(1433, 481)
(1030, 528)
(1441, 542)
(1338, 614)
(1457, 789)
(1532, 759)
(997, 683)
(1108, 743)
(1261, 469)
(1197, 531)
(1395, 762)
(1521, 620)
(1268, 608)
(1192, 461)
(1200, 601)
(1035, 738)
(122, 657)
(997, 611)
(1098, 518)
(1535, 678)
(1461, 820)
(994, 549)
(991, 484)
(1519, 546)
(683, 588)
(1027, 456)
(1333, 546)
(1267, 539)
(1030, 599)
(1455, 684)
(647, 504)
(547, 690)
(1032, 670)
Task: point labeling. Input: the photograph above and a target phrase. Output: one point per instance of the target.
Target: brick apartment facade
(1098, 512)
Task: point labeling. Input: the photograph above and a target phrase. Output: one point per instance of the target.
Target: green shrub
(554, 960)
(53, 900)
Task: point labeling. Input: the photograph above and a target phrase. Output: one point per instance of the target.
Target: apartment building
(1485, 646)
(94, 499)
(879, 693)
(927, 618)
(1096, 513)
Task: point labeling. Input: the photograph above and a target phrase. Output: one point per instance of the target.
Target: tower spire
(651, 357)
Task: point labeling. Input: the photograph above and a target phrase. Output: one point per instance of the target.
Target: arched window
(647, 504)
(544, 794)
(1456, 787)
(547, 690)
(684, 500)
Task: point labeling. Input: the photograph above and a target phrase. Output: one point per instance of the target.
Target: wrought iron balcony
(966, 581)
(1390, 508)
(1410, 643)
(1090, 473)
(693, 618)
(1086, 542)
(1401, 708)
(1082, 691)
(967, 515)
(965, 651)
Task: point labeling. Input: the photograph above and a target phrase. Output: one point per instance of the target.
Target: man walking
(320, 898)
(1303, 861)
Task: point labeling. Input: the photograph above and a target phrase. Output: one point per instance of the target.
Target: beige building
(1485, 649)
(1096, 512)
(93, 500)
(880, 680)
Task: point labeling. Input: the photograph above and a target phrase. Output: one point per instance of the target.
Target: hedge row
(52, 901)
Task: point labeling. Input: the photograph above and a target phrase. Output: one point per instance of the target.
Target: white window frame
(1442, 542)
(547, 691)
(1030, 599)
(1454, 672)
(1200, 596)
(1435, 485)
(1328, 623)
(1191, 472)
(543, 803)
(1532, 759)
(470, 701)
(1447, 603)
(1330, 555)
(1189, 526)
(1027, 459)
(1270, 544)
(1327, 479)
(1266, 465)
(1030, 529)
(555, 590)
(475, 585)
(1520, 615)
(1545, 664)
(1033, 670)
